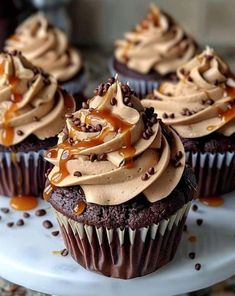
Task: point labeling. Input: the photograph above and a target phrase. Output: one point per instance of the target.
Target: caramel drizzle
(7, 134)
(118, 125)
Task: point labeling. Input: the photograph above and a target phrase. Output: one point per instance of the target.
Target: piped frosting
(31, 101)
(46, 47)
(202, 102)
(115, 148)
(156, 44)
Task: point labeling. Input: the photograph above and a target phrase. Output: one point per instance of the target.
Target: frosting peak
(46, 47)
(115, 148)
(156, 44)
(202, 101)
(30, 101)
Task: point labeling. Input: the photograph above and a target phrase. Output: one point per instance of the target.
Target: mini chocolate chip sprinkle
(111, 80)
(64, 252)
(91, 109)
(164, 115)
(113, 101)
(145, 136)
(93, 157)
(10, 224)
(26, 215)
(102, 157)
(47, 224)
(172, 115)
(145, 177)
(40, 212)
(151, 171)
(5, 210)
(35, 118)
(198, 266)
(194, 208)
(83, 129)
(77, 174)
(69, 115)
(126, 100)
(85, 105)
(20, 133)
(77, 122)
(203, 102)
(177, 164)
(70, 140)
(20, 222)
(192, 255)
(55, 233)
(99, 127)
(130, 105)
(199, 222)
(179, 155)
(210, 101)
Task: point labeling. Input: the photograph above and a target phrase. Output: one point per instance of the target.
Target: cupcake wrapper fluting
(22, 173)
(215, 172)
(140, 86)
(123, 253)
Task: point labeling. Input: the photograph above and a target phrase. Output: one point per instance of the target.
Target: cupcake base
(123, 253)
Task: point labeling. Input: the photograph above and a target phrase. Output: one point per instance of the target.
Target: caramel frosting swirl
(30, 101)
(203, 101)
(46, 47)
(156, 44)
(115, 148)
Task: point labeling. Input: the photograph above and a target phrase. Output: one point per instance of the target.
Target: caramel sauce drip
(79, 208)
(230, 113)
(213, 201)
(48, 191)
(23, 202)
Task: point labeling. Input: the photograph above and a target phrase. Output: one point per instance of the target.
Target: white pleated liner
(223, 166)
(85, 230)
(22, 173)
(141, 87)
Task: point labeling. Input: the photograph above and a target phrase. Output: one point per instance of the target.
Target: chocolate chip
(111, 80)
(198, 266)
(149, 131)
(130, 105)
(172, 115)
(26, 215)
(199, 222)
(194, 208)
(83, 129)
(55, 233)
(64, 252)
(47, 224)
(145, 136)
(19, 133)
(69, 115)
(40, 212)
(126, 100)
(164, 115)
(20, 222)
(93, 157)
(77, 122)
(113, 101)
(192, 255)
(35, 118)
(77, 174)
(102, 157)
(209, 101)
(151, 171)
(10, 224)
(85, 105)
(99, 127)
(179, 155)
(145, 177)
(5, 210)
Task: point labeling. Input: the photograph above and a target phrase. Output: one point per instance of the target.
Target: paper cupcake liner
(77, 84)
(123, 253)
(215, 172)
(22, 173)
(140, 86)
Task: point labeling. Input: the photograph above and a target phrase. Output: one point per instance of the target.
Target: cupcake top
(203, 101)
(46, 47)
(115, 148)
(31, 102)
(156, 44)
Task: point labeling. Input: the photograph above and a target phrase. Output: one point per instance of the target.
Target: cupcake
(47, 47)
(32, 110)
(201, 108)
(119, 186)
(152, 52)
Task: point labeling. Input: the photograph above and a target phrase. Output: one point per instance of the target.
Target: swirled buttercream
(46, 47)
(202, 102)
(31, 101)
(156, 44)
(115, 149)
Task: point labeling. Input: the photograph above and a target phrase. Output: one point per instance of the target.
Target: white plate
(26, 258)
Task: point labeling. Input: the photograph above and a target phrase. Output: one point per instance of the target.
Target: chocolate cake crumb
(192, 255)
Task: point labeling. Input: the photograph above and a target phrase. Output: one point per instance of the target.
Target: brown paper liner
(215, 172)
(123, 253)
(22, 173)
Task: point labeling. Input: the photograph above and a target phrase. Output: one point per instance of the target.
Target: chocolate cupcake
(119, 186)
(47, 47)
(32, 109)
(201, 108)
(152, 52)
